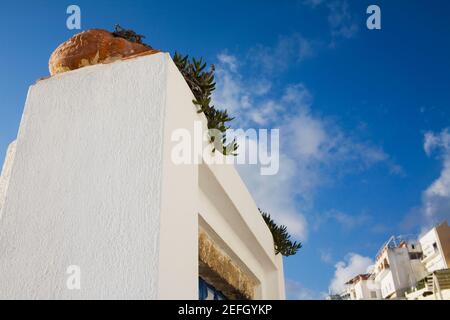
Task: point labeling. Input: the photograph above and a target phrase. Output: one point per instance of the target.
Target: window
(413, 247)
(415, 255)
(208, 292)
(435, 246)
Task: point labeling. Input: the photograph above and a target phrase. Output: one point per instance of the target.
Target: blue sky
(362, 114)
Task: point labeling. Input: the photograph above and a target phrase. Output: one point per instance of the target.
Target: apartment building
(398, 267)
(406, 268)
(436, 248)
(363, 287)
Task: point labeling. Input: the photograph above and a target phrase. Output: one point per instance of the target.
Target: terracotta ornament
(93, 47)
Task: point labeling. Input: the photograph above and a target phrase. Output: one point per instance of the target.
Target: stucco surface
(93, 185)
(230, 215)
(178, 262)
(86, 185)
(6, 173)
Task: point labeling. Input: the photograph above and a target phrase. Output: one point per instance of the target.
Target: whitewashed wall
(6, 172)
(434, 259)
(93, 185)
(85, 188)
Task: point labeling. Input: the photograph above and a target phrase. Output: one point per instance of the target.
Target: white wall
(229, 213)
(433, 258)
(402, 273)
(419, 269)
(178, 254)
(387, 284)
(6, 173)
(365, 288)
(93, 185)
(86, 185)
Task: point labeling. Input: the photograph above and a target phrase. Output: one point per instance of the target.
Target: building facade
(411, 269)
(363, 287)
(398, 267)
(436, 247)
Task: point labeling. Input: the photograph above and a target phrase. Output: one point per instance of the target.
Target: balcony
(427, 259)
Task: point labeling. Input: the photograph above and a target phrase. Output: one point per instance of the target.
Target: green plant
(202, 85)
(281, 237)
(129, 35)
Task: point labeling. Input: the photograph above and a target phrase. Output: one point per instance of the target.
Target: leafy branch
(202, 85)
(129, 35)
(281, 237)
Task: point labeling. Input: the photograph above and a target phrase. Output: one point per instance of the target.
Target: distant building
(436, 248)
(343, 296)
(363, 287)
(404, 268)
(436, 259)
(398, 267)
(435, 286)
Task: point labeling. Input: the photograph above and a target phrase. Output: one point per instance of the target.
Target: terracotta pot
(93, 47)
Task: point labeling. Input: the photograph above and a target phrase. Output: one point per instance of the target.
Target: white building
(363, 287)
(398, 267)
(412, 269)
(436, 259)
(435, 286)
(93, 207)
(436, 247)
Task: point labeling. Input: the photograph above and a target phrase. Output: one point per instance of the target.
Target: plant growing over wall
(281, 237)
(129, 35)
(202, 86)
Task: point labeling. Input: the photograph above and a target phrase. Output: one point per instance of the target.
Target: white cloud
(346, 221)
(276, 195)
(288, 50)
(436, 198)
(299, 95)
(228, 60)
(326, 256)
(320, 140)
(320, 144)
(296, 291)
(436, 142)
(352, 265)
(313, 149)
(231, 93)
(309, 136)
(235, 94)
(261, 87)
(265, 112)
(341, 21)
(349, 221)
